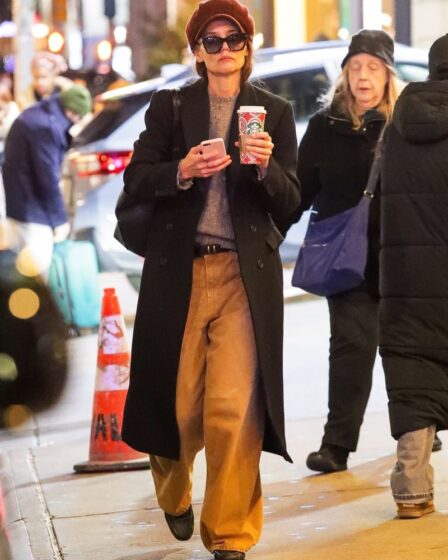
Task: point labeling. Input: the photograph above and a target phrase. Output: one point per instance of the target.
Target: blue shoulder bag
(333, 256)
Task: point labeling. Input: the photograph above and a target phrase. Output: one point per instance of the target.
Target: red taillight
(100, 163)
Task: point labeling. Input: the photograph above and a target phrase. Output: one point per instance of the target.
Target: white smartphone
(215, 145)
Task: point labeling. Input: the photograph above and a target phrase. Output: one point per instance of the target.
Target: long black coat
(333, 169)
(149, 418)
(414, 259)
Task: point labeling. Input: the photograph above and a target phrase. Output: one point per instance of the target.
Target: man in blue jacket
(34, 150)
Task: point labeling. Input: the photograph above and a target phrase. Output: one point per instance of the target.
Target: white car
(94, 166)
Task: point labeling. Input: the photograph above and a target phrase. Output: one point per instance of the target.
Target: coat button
(253, 228)
(163, 261)
(260, 263)
(169, 226)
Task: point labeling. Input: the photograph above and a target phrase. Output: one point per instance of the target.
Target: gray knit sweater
(215, 225)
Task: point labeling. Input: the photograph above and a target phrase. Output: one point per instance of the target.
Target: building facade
(284, 23)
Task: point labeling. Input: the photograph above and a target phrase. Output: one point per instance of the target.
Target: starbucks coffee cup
(251, 119)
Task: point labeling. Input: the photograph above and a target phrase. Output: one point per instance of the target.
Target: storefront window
(322, 19)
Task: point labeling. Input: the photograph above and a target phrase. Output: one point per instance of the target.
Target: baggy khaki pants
(219, 407)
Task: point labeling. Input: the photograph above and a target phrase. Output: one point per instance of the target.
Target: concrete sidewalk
(56, 514)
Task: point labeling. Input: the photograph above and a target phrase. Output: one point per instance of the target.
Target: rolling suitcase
(74, 281)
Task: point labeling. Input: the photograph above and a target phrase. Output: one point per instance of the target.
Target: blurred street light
(40, 30)
(344, 34)
(104, 50)
(120, 33)
(55, 42)
(7, 29)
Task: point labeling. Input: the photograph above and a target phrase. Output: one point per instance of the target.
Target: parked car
(95, 165)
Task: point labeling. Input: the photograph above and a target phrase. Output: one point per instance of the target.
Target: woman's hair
(341, 97)
(246, 70)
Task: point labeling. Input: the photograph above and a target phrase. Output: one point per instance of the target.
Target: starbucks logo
(253, 126)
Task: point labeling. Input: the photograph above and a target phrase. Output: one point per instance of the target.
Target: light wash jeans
(412, 477)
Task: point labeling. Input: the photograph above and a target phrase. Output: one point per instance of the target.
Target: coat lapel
(195, 120)
(195, 113)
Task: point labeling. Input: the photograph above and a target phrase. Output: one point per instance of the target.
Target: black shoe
(228, 555)
(181, 525)
(329, 458)
(437, 445)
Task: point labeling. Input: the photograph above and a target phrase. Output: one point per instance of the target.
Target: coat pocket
(274, 238)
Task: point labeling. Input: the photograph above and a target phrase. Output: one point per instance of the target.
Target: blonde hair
(341, 97)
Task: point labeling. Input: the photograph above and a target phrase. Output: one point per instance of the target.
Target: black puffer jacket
(333, 169)
(414, 259)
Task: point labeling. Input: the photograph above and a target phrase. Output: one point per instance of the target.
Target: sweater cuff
(183, 184)
(261, 173)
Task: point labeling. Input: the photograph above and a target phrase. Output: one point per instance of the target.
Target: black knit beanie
(374, 42)
(438, 59)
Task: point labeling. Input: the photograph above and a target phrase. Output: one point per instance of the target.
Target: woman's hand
(260, 146)
(197, 164)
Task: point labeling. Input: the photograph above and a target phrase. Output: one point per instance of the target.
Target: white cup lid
(251, 109)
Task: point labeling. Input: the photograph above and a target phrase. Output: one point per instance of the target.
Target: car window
(115, 113)
(301, 88)
(411, 72)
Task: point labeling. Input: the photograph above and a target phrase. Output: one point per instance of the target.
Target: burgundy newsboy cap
(209, 10)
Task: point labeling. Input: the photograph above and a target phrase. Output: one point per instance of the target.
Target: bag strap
(376, 166)
(176, 107)
(175, 96)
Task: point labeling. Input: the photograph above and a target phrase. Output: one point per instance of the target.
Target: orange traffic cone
(107, 450)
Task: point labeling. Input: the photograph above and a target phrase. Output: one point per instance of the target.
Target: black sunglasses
(213, 44)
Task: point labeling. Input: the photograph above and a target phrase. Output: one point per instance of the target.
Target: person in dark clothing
(335, 156)
(206, 367)
(8, 113)
(33, 356)
(35, 147)
(414, 280)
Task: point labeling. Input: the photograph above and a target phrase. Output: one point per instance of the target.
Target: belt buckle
(213, 248)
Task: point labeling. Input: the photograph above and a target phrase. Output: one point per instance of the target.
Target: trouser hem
(327, 440)
(413, 498)
(230, 548)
